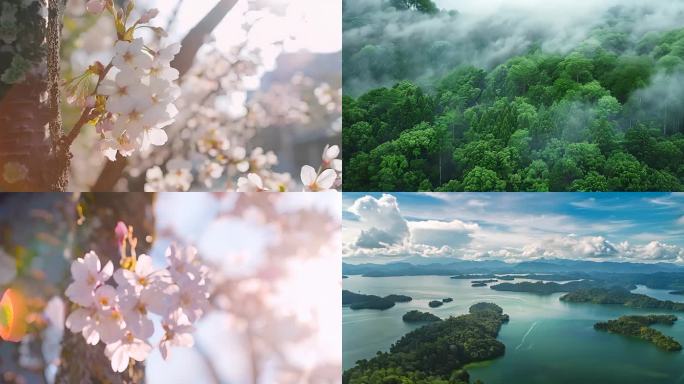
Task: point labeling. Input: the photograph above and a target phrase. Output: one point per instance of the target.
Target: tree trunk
(82, 363)
(30, 128)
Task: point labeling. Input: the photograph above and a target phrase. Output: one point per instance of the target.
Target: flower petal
(308, 175)
(326, 179)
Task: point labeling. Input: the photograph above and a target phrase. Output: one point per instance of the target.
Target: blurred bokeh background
(275, 303)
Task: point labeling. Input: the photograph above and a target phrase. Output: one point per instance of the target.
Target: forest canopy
(603, 115)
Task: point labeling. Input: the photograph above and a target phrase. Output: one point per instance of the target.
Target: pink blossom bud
(121, 231)
(149, 15)
(95, 6)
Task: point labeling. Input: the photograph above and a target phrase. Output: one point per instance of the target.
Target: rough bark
(30, 126)
(82, 363)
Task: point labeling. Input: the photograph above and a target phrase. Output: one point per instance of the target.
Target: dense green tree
(535, 122)
(482, 179)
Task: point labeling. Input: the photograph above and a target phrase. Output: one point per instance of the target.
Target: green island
(418, 317)
(436, 353)
(472, 276)
(639, 327)
(435, 303)
(482, 283)
(447, 300)
(620, 296)
(361, 301)
(399, 298)
(543, 288)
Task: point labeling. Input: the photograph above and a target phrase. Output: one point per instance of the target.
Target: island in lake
(640, 327)
(435, 303)
(361, 301)
(418, 316)
(437, 352)
(620, 296)
(398, 298)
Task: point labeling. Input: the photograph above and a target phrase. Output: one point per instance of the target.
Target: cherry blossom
(316, 182)
(129, 347)
(251, 183)
(176, 334)
(87, 275)
(134, 99)
(120, 317)
(141, 277)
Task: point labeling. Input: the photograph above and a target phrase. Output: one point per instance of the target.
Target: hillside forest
(606, 114)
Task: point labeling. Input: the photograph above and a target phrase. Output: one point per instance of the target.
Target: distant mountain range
(417, 266)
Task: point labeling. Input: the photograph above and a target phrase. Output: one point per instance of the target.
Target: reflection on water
(547, 341)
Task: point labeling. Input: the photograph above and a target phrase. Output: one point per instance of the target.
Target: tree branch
(194, 40)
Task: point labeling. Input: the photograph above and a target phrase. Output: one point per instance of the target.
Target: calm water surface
(547, 341)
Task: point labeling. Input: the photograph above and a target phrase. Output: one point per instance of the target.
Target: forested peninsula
(361, 301)
(639, 327)
(620, 296)
(436, 353)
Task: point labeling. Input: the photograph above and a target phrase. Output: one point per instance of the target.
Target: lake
(547, 341)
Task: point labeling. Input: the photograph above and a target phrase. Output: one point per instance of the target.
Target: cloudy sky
(643, 227)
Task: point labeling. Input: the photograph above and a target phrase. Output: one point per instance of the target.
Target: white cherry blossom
(314, 182)
(87, 274)
(120, 317)
(251, 183)
(129, 347)
(330, 153)
(191, 299)
(177, 333)
(130, 55)
(143, 276)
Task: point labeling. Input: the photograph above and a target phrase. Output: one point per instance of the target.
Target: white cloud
(653, 251)
(437, 225)
(462, 230)
(571, 246)
(382, 220)
(477, 203)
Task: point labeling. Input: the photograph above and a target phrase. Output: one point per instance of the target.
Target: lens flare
(12, 316)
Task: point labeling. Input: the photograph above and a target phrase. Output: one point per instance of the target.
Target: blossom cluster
(220, 159)
(139, 99)
(119, 316)
(135, 95)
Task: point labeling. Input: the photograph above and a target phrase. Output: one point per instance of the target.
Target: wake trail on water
(525, 335)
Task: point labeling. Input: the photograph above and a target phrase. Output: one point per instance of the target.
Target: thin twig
(68, 139)
(73, 134)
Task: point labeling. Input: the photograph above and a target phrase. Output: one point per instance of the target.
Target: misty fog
(383, 45)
